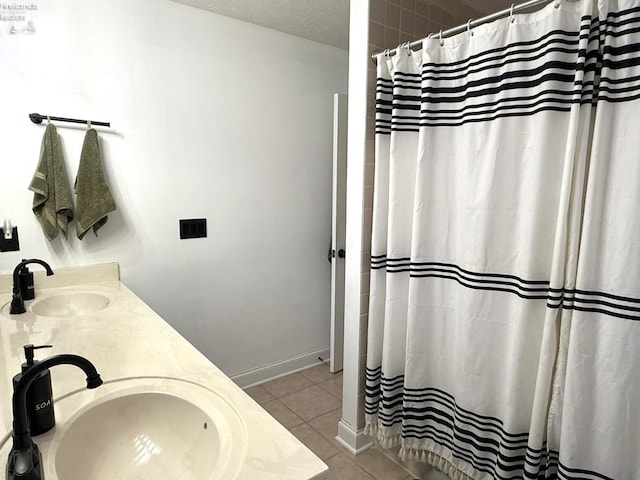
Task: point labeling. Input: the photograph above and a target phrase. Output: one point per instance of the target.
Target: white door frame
(338, 230)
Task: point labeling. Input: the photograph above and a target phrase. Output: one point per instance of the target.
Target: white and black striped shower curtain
(504, 340)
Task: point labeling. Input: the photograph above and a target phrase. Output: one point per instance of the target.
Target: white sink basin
(70, 305)
(143, 429)
(63, 303)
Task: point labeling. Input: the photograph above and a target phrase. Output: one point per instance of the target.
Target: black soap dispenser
(25, 280)
(39, 396)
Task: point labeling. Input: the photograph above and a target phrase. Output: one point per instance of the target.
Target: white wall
(212, 118)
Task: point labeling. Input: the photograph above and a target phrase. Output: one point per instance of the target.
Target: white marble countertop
(129, 339)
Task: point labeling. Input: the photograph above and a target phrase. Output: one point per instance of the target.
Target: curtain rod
(460, 28)
(37, 118)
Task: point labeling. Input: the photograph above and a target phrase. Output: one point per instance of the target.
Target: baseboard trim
(274, 370)
(353, 440)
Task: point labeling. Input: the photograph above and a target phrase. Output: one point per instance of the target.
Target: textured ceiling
(324, 21)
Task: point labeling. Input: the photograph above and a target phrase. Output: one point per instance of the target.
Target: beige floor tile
(342, 467)
(429, 474)
(319, 373)
(316, 442)
(311, 402)
(260, 394)
(327, 426)
(285, 385)
(282, 414)
(379, 466)
(333, 386)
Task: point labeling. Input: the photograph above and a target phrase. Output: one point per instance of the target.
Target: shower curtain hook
(441, 39)
(408, 47)
(88, 124)
(48, 120)
(557, 5)
(511, 17)
(469, 31)
(386, 53)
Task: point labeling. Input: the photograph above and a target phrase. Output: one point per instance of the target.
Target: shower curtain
(503, 330)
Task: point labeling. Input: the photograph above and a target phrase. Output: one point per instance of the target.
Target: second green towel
(94, 200)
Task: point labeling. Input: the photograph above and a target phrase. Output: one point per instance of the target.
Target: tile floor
(308, 404)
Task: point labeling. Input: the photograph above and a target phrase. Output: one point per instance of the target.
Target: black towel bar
(37, 118)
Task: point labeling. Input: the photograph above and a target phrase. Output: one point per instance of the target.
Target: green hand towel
(52, 195)
(94, 199)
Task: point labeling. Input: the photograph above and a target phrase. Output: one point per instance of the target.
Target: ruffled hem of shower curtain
(430, 453)
(437, 461)
(386, 437)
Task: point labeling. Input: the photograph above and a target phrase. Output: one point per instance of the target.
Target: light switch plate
(193, 228)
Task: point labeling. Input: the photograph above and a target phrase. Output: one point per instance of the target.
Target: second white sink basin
(149, 435)
(146, 428)
(70, 304)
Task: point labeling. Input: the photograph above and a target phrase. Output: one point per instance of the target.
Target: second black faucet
(17, 300)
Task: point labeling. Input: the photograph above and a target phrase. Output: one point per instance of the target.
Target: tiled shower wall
(392, 22)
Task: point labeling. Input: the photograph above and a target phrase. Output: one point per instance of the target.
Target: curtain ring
(408, 47)
(441, 39)
(48, 120)
(386, 53)
(557, 5)
(469, 31)
(511, 17)
(88, 124)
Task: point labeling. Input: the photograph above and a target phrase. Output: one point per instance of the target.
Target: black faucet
(17, 304)
(25, 459)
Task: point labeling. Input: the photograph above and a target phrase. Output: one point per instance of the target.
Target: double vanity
(164, 410)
